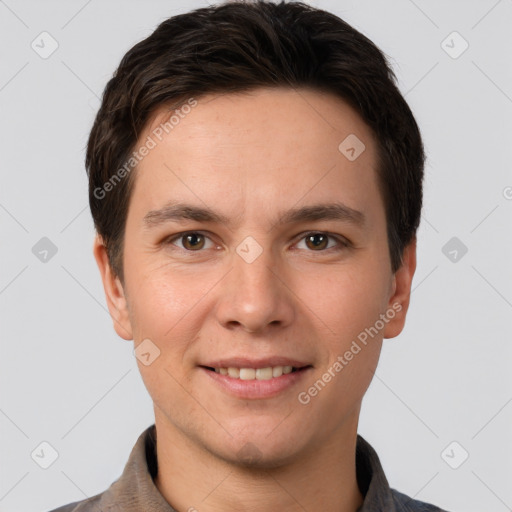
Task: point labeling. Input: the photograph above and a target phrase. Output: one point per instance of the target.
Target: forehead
(284, 111)
(258, 149)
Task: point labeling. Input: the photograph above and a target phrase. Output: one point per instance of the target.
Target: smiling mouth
(267, 373)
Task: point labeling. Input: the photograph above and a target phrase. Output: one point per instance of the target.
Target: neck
(193, 479)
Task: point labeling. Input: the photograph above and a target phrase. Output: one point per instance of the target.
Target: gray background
(67, 379)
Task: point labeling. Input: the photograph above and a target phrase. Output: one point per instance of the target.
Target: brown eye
(317, 241)
(323, 242)
(191, 241)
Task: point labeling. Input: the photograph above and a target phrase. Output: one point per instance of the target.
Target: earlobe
(401, 292)
(114, 292)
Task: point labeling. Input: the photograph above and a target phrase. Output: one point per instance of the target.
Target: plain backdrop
(438, 411)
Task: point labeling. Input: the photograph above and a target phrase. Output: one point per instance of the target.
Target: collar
(135, 490)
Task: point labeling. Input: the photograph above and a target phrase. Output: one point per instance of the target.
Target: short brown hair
(239, 46)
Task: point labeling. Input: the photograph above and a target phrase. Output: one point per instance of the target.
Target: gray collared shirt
(135, 490)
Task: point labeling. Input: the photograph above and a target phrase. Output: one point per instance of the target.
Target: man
(256, 186)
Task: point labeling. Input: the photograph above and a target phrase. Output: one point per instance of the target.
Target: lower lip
(257, 388)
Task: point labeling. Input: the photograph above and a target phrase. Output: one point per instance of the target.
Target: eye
(315, 241)
(193, 241)
(318, 241)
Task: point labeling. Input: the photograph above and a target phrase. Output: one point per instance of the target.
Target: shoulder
(133, 486)
(404, 503)
(89, 504)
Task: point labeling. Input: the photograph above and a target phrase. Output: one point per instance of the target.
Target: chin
(257, 449)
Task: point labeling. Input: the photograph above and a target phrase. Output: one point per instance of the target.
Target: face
(288, 266)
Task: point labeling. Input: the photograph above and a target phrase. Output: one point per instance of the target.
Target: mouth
(262, 373)
(257, 380)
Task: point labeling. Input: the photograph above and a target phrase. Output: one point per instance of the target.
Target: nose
(256, 295)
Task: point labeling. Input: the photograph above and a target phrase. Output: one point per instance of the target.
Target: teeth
(247, 373)
(234, 372)
(277, 371)
(264, 373)
(252, 373)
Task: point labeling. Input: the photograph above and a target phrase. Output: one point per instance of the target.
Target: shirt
(135, 490)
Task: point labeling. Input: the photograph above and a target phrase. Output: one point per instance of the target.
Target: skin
(251, 156)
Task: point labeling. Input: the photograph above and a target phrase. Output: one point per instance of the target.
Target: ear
(114, 292)
(401, 292)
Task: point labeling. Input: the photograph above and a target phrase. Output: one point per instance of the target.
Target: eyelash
(343, 243)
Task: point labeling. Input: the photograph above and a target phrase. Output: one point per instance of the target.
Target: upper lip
(244, 362)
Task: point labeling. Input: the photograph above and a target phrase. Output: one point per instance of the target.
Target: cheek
(160, 297)
(164, 309)
(349, 305)
(349, 302)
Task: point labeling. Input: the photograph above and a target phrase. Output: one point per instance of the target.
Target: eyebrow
(179, 212)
